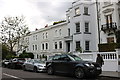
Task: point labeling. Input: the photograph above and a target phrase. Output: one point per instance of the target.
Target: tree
(12, 29)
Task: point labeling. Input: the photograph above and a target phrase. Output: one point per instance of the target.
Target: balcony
(68, 38)
(109, 27)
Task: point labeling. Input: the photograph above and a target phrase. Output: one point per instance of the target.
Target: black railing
(109, 26)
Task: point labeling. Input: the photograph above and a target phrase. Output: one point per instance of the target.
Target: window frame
(87, 27)
(86, 10)
(77, 11)
(60, 45)
(87, 45)
(77, 27)
(77, 47)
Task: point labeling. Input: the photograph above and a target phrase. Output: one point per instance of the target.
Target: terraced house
(80, 31)
(109, 22)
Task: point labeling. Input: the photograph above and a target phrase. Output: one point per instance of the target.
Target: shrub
(107, 47)
(27, 55)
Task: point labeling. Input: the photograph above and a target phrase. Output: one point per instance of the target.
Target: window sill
(77, 15)
(87, 33)
(77, 33)
(87, 51)
(86, 14)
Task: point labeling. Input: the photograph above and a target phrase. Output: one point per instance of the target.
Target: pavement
(110, 74)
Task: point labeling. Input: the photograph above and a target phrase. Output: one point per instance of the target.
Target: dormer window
(77, 11)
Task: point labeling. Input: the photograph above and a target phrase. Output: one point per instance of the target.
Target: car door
(28, 64)
(56, 63)
(65, 64)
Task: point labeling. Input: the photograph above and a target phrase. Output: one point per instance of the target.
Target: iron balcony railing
(109, 26)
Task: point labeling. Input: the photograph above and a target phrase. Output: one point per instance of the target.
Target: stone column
(118, 58)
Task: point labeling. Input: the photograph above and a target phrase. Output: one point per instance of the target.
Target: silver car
(35, 65)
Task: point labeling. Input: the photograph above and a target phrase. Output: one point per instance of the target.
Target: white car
(35, 65)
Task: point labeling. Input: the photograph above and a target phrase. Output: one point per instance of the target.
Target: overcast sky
(38, 13)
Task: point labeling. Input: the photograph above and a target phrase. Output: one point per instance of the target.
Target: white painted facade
(67, 33)
(82, 18)
(47, 37)
(107, 33)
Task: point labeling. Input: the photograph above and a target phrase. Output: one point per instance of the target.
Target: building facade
(47, 41)
(109, 21)
(78, 33)
(82, 27)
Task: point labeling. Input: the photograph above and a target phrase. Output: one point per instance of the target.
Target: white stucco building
(47, 41)
(82, 27)
(109, 20)
(79, 30)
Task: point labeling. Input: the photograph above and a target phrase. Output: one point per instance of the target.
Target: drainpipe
(98, 21)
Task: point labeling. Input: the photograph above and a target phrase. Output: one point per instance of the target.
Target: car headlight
(40, 66)
(89, 65)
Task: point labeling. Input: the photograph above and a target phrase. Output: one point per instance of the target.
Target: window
(86, 26)
(55, 45)
(60, 32)
(109, 19)
(46, 34)
(46, 46)
(36, 37)
(86, 10)
(55, 32)
(77, 45)
(60, 44)
(68, 18)
(87, 44)
(43, 46)
(35, 47)
(77, 27)
(43, 35)
(56, 58)
(63, 57)
(77, 11)
(68, 31)
(110, 40)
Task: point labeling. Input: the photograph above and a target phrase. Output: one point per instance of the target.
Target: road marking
(13, 76)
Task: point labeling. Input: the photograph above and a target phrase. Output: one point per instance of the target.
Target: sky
(37, 13)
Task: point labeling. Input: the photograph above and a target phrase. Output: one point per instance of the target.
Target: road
(17, 74)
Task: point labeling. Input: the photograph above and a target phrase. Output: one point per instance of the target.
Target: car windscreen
(38, 61)
(75, 58)
(21, 60)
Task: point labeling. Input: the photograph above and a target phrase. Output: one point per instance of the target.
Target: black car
(16, 63)
(72, 64)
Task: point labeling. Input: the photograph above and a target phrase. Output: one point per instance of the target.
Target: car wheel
(50, 71)
(13, 66)
(24, 69)
(79, 73)
(35, 69)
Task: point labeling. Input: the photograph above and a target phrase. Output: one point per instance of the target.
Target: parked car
(16, 63)
(5, 63)
(72, 64)
(35, 65)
